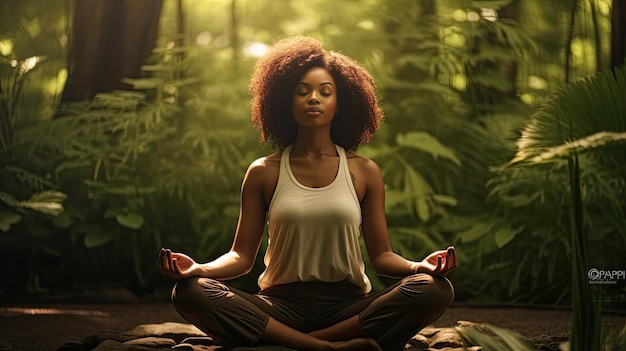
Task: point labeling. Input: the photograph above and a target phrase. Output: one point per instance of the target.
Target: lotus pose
(317, 197)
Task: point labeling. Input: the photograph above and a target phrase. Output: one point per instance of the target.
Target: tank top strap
(284, 162)
(344, 172)
(343, 160)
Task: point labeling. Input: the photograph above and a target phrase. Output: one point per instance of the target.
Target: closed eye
(302, 91)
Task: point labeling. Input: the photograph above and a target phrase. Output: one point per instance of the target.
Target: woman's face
(315, 98)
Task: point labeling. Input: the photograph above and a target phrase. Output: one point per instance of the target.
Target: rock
(263, 348)
(472, 325)
(168, 328)
(446, 337)
(186, 337)
(418, 342)
(153, 342)
(198, 343)
(112, 345)
(430, 331)
(189, 347)
(200, 340)
(103, 335)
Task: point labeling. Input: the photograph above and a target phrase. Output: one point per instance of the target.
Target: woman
(313, 106)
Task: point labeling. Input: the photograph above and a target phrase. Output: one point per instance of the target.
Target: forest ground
(49, 324)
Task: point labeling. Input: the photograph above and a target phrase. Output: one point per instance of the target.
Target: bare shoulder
(362, 165)
(366, 175)
(264, 165)
(262, 175)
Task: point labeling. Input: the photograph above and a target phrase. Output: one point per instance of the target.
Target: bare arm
(241, 257)
(384, 261)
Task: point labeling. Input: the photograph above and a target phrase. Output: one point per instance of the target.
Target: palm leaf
(585, 116)
(580, 116)
(579, 145)
(499, 339)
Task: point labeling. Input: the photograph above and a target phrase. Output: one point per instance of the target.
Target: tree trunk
(486, 97)
(109, 40)
(618, 38)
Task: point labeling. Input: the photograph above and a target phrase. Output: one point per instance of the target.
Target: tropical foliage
(474, 150)
(581, 124)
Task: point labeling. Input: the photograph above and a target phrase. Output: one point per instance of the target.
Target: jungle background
(124, 128)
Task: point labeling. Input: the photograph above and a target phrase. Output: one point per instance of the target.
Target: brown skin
(314, 162)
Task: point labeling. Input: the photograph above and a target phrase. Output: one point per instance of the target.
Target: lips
(314, 110)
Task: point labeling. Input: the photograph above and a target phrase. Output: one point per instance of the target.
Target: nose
(313, 100)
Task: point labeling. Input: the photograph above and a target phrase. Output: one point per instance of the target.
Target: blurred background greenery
(125, 128)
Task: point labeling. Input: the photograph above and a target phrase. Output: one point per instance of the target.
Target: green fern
(498, 339)
(584, 123)
(582, 116)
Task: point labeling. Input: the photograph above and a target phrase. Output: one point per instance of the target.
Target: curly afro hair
(275, 78)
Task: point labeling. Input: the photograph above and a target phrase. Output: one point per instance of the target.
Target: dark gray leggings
(237, 318)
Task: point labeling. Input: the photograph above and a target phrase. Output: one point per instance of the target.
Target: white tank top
(314, 232)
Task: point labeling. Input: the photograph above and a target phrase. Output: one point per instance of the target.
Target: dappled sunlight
(256, 49)
(490, 15)
(39, 311)
(164, 166)
(204, 38)
(6, 47)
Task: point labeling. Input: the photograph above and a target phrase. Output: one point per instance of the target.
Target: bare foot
(360, 344)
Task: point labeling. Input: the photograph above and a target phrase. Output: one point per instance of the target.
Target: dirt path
(47, 326)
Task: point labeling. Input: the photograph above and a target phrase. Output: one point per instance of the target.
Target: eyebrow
(324, 83)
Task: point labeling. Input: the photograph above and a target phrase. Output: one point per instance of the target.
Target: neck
(313, 144)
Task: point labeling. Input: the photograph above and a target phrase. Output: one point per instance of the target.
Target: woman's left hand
(439, 263)
(177, 265)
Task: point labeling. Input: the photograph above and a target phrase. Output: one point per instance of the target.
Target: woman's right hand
(177, 265)
(439, 263)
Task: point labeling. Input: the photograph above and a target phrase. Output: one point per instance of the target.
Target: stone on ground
(186, 337)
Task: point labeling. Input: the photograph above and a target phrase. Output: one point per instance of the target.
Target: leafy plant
(616, 342)
(148, 170)
(584, 118)
(141, 169)
(46, 202)
(27, 197)
(494, 339)
(162, 164)
(436, 74)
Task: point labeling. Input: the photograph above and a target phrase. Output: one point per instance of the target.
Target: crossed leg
(236, 318)
(278, 333)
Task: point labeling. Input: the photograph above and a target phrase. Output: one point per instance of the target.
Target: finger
(168, 254)
(444, 263)
(448, 261)
(453, 259)
(450, 250)
(162, 260)
(456, 257)
(175, 266)
(159, 258)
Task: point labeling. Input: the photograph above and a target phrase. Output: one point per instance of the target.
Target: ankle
(328, 345)
(358, 344)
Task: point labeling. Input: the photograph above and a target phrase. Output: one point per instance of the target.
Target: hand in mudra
(177, 265)
(439, 263)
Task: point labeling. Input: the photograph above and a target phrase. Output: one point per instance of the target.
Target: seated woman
(315, 107)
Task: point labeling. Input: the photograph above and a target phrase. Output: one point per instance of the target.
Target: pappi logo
(606, 278)
(597, 276)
